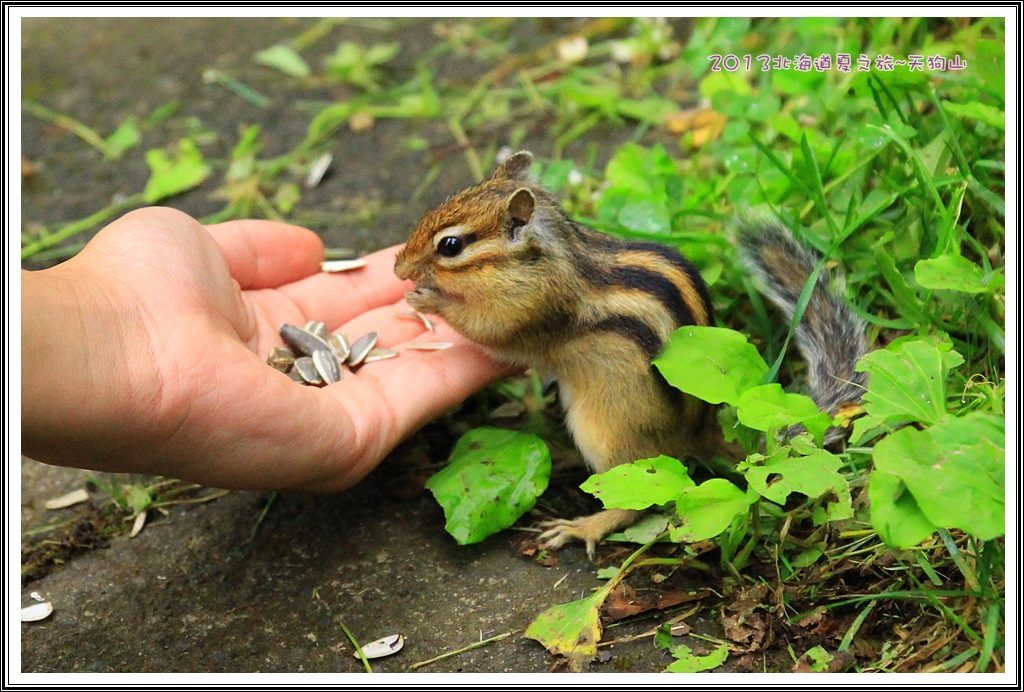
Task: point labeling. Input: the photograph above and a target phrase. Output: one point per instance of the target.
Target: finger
(337, 298)
(268, 254)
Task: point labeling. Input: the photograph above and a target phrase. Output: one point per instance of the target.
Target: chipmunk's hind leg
(589, 529)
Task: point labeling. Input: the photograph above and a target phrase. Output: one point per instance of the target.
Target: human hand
(146, 353)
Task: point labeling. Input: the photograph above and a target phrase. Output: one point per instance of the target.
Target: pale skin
(146, 354)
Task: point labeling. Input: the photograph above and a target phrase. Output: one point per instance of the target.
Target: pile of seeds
(317, 357)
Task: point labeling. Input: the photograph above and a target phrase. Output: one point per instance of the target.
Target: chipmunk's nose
(403, 268)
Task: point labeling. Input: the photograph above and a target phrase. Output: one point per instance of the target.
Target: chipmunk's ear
(520, 209)
(516, 167)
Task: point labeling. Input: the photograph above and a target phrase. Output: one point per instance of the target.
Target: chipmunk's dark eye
(450, 246)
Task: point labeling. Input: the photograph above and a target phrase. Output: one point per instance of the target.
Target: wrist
(78, 389)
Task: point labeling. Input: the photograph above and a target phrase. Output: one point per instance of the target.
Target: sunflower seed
(308, 370)
(317, 170)
(72, 498)
(140, 521)
(385, 646)
(326, 363)
(418, 316)
(360, 348)
(38, 611)
(431, 346)
(296, 377)
(379, 354)
(320, 331)
(281, 359)
(301, 340)
(334, 266)
(339, 345)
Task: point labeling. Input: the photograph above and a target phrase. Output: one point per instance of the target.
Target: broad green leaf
(126, 136)
(173, 174)
(493, 477)
(711, 363)
(895, 515)
(908, 380)
(955, 273)
(650, 526)
(641, 484)
(571, 630)
(686, 662)
(955, 470)
(708, 509)
(813, 475)
(768, 407)
(284, 59)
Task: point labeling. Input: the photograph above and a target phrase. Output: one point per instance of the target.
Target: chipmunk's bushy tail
(830, 337)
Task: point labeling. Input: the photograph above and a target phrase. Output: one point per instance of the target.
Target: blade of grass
(80, 130)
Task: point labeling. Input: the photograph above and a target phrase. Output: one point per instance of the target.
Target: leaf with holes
(708, 509)
(955, 471)
(493, 477)
(641, 484)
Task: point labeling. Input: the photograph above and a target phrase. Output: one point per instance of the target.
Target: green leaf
(908, 380)
(173, 174)
(975, 110)
(641, 484)
(708, 509)
(138, 498)
(955, 470)
(813, 475)
(895, 515)
(955, 273)
(768, 407)
(493, 477)
(711, 363)
(686, 662)
(571, 630)
(285, 60)
(126, 136)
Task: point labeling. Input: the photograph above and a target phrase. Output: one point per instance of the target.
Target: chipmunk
(507, 268)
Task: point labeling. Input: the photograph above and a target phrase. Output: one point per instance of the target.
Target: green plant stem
(83, 132)
(356, 646)
(475, 645)
(76, 227)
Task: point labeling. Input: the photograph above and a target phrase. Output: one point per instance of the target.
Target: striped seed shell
(308, 370)
(362, 346)
(326, 363)
(430, 346)
(379, 354)
(281, 358)
(332, 266)
(418, 316)
(301, 340)
(385, 646)
(339, 345)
